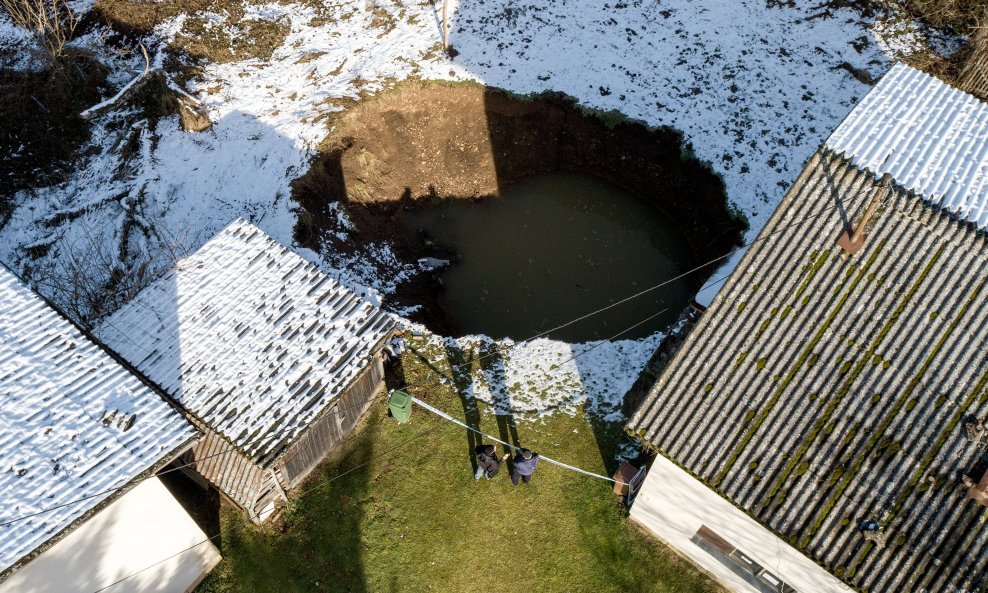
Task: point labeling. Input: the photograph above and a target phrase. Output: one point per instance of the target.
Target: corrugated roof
(73, 422)
(708, 291)
(249, 337)
(931, 137)
(819, 390)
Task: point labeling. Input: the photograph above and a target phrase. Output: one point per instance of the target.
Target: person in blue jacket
(525, 464)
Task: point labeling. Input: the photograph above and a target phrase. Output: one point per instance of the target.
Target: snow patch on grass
(540, 377)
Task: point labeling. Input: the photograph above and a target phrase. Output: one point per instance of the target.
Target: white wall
(672, 505)
(139, 533)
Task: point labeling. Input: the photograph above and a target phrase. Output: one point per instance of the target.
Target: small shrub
(51, 22)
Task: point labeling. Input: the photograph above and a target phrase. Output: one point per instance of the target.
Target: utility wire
(540, 334)
(761, 237)
(356, 467)
(654, 286)
(392, 450)
(442, 414)
(402, 447)
(515, 344)
(134, 574)
(686, 273)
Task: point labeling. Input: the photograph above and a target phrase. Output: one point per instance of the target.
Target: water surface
(552, 248)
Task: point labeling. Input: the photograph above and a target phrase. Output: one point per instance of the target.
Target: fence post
(445, 27)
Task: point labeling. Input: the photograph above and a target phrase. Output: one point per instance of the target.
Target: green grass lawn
(408, 515)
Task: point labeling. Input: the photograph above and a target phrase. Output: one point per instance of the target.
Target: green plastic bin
(400, 404)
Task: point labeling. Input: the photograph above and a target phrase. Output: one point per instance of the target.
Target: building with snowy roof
(833, 397)
(274, 360)
(81, 438)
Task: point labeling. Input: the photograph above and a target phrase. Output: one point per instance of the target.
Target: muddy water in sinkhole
(552, 248)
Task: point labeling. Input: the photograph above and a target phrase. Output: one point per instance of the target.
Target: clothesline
(442, 414)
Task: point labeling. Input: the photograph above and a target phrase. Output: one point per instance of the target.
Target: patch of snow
(754, 89)
(711, 287)
(898, 37)
(267, 12)
(427, 264)
(87, 113)
(541, 377)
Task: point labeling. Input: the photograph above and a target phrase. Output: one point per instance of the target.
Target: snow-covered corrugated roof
(73, 422)
(249, 337)
(931, 137)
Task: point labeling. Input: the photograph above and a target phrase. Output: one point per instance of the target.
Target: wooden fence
(325, 433)
(974, 76)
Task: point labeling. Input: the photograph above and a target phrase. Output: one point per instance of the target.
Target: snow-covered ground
(542, 376)
(755, 86)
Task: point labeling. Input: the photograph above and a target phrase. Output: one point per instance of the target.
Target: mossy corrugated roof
(820, 390)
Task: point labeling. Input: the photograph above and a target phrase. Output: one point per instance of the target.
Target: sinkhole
(544, 210)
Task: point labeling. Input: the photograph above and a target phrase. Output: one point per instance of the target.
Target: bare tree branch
(51, 22)
(129, 88)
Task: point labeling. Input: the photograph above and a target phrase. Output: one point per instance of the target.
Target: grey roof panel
(76, 427)
(931, 137)
(819, 390)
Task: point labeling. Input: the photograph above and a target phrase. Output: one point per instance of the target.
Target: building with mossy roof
(836, 390)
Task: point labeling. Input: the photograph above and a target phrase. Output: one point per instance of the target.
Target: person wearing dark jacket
(487, 462)
(525, 464)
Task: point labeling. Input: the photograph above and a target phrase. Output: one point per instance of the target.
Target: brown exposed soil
(236, 39)
(428, 141)
(203, 37)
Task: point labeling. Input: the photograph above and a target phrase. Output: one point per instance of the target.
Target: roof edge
(147, 474)
(323, 412)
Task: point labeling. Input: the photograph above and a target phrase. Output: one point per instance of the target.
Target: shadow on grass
(492, 364)
(316, 545)
(460, 361)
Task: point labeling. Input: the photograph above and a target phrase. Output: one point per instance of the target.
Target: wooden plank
(721, 544)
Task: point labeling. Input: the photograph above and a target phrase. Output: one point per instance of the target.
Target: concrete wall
(672, 505)
(143, 532)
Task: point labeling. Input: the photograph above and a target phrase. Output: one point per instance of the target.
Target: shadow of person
(460, 363)
(492, 364)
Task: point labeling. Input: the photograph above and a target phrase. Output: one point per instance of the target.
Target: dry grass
(946, 68)
(234, 38)
(232, 41)
(51, 22)
(136, 17)
(959, 16)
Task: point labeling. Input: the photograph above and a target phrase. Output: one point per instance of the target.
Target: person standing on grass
(525, 464)
(487, 462)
